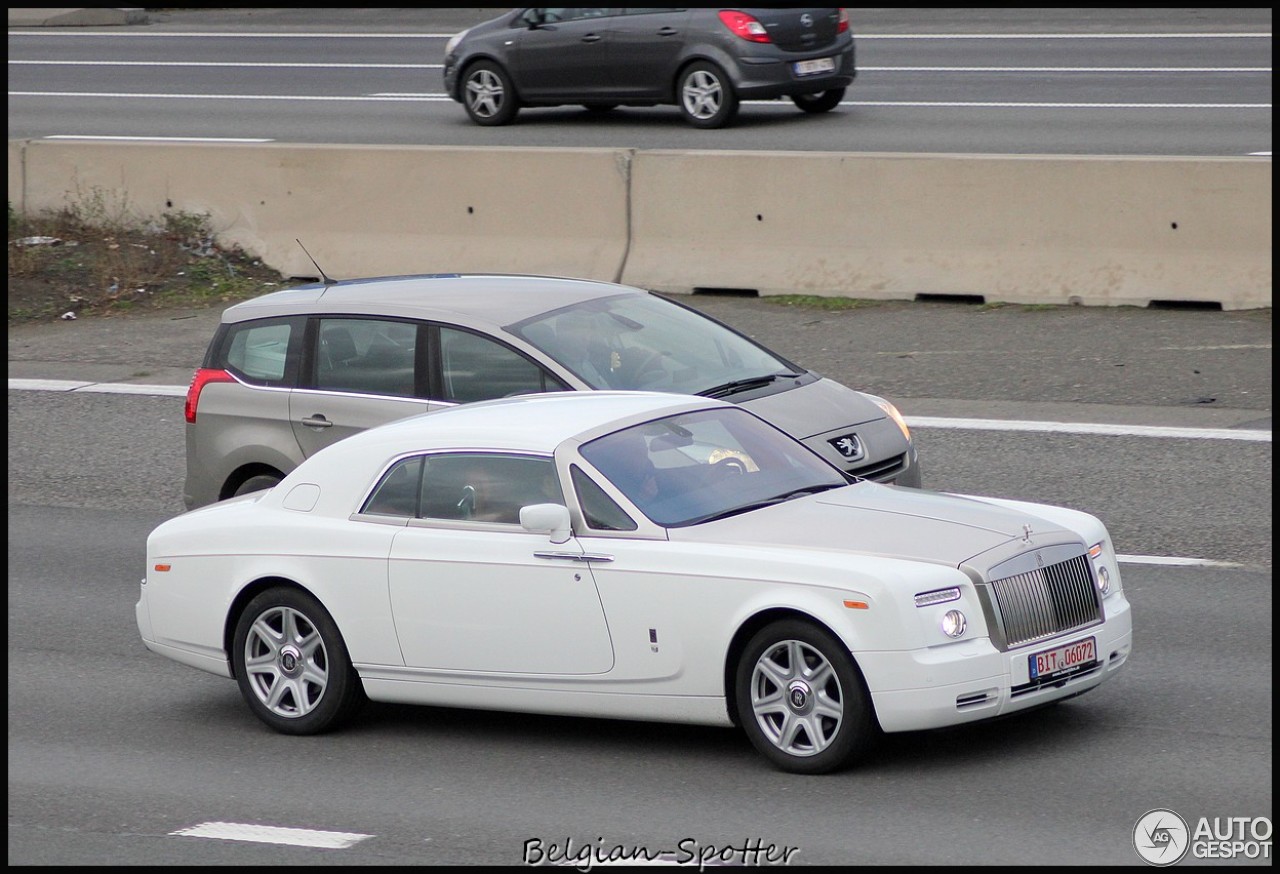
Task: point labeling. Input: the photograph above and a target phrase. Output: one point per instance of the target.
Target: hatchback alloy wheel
(488, 94)
(706, 96)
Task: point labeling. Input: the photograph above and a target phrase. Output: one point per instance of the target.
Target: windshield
(637, 342)
(695, 467)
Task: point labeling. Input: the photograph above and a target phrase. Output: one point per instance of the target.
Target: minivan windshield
(642, 342)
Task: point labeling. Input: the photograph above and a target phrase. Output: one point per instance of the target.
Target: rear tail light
(742, 25)
(202, 377)
(843, 24)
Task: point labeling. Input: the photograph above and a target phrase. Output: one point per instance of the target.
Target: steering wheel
(729, 467)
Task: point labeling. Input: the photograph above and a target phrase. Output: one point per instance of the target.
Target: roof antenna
(327, 280)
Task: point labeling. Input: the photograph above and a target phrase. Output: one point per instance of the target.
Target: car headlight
(1104, 575)
(953, 623)
(892, 412)
(453, 41)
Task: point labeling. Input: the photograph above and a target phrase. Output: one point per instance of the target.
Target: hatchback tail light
(843, 24)
(742, 25)
(202, 377)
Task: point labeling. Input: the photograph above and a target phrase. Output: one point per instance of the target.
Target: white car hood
(872, 519)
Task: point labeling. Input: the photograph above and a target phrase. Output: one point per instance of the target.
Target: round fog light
(953, 623)
(1104, 579)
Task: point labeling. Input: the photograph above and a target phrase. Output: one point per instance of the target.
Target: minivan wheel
(257, 483)
(706, 96)
(292, 665)
(801, 699)
(822, 101)
(488, 95)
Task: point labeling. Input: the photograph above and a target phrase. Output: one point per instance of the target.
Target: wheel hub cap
(800, 697)
(290, 661)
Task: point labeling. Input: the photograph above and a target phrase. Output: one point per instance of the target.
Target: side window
(551, 14)
(476, 368)
(258, 352)
(600, 511)
(370, 356)
(397, 494)
(486, 487)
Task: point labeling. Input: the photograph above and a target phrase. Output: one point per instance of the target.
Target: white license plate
(814, 67)
(1063, 659)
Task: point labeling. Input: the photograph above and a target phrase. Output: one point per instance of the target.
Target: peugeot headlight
(892, 412)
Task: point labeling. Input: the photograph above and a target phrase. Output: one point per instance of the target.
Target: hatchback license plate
(1063, 659)
(814, 67)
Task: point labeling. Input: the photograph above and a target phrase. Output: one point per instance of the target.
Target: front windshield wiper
(734, 386)
(767, 502)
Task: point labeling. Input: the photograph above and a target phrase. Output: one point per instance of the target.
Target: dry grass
(96, 256)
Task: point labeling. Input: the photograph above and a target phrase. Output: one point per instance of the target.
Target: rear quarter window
(261, 352)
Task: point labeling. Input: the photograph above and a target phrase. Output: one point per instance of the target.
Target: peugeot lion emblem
(849, 446)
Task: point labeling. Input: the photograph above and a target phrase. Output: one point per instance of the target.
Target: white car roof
(495, 298)
(530, 423)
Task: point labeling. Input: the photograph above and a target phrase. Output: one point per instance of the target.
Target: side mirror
(549, 519)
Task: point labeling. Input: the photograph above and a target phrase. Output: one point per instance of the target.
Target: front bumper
(972, 680)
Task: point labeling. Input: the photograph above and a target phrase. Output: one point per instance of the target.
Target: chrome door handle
(575, 556)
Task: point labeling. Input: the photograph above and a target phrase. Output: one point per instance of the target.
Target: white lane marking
(412, 98)
(120, 388)
(1060, 36)
(1173, 561)
(237, 64)
(1252, 436)
(326, 66)
(860, 36)
(267, 834)
(163, 139)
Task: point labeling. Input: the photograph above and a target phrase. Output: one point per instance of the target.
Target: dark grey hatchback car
(703, 60)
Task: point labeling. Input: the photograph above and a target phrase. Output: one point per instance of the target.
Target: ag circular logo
(1161, 837)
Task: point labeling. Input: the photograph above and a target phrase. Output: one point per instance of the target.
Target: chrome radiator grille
(1047, 601)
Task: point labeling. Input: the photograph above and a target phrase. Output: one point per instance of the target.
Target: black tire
(822, 101)
(488, 95)
(257, 483)
(821, 720)
(292, 665)
(706, 96)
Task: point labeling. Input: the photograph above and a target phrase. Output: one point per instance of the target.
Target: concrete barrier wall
(1056, 230)
(371, 210)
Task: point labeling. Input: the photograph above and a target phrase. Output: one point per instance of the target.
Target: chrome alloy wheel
(702, 94)
(485, 93)
(286, 662)
(796, 698)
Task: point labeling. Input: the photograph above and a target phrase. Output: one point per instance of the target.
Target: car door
(566, 57)
(357, 373)
(644, 49)
(471, 590)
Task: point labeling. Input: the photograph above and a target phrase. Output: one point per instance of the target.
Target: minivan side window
(258, 352)
(368, 356)
(475, 368)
